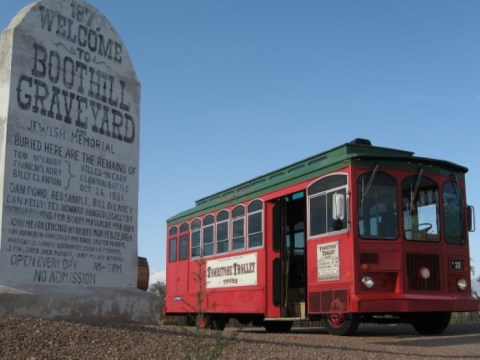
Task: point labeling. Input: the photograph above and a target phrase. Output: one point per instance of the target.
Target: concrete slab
(86, 305)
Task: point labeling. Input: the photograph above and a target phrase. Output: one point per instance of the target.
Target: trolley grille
(418, 262)
(328, 301)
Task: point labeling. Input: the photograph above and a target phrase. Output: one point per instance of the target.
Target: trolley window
(195, 238)
(183, 242)
(420, 208)
(327, 203)
(172, 244)
(222, 232)
(208, 235)
(238, 228)
(377, 206)
(454, 210)
(255, 215)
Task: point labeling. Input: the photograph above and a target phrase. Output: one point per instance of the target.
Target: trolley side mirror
(338, 206)
(471, 218)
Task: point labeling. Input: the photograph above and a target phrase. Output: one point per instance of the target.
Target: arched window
(208, 235)
(238, 228)
(183, 242)
(195, 236)
(184, 227)
(327, 205)
(222, 232)
(255, 224)
(172, 244)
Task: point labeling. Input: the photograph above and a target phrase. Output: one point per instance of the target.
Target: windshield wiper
(413, 194)
(369, 184)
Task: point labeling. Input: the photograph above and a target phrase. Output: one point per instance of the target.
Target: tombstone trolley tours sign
(69, 128)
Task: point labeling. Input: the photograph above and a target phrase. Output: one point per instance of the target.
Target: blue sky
(234, 89)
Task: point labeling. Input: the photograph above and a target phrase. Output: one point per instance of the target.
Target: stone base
(86, 305)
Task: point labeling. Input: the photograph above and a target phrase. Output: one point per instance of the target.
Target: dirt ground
(30, 338)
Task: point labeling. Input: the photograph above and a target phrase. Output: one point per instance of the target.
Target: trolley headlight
(461, 284)
(424, 273)
(368, 282)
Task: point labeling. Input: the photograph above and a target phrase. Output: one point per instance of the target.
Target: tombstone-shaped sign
(69, 147)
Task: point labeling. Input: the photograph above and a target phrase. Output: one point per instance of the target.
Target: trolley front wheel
(341, 324)
(433, 323)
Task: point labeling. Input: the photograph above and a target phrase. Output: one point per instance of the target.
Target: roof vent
(359, 141)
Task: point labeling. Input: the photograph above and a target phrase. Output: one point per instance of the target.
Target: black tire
(341, 324)
(218, 322)
(433, 323)
(190, 319)
(278, 326)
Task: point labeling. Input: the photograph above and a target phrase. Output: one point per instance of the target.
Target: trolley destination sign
(232, 271)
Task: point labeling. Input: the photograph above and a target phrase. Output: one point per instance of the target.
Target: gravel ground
(29, 338)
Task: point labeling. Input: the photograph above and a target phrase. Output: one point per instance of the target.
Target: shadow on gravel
(456, 335)
(395, 341)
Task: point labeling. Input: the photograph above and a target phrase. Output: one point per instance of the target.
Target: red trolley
(358, 233)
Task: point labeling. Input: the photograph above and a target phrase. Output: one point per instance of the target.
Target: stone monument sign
(69, 150)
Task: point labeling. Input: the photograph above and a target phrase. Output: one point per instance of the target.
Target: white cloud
(156, 275)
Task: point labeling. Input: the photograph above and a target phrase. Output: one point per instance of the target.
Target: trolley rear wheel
(212, 322)
(204, 321)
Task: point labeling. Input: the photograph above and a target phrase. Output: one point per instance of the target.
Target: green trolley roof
(324, 162)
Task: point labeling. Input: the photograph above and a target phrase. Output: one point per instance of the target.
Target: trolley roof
(304, 169)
